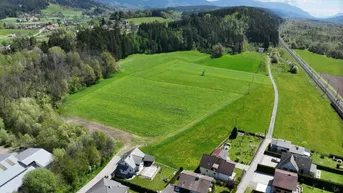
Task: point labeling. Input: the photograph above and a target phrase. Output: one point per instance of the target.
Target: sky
(317, 8)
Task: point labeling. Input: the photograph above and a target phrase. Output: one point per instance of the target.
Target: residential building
(296, 163)
(14, 168)
(194, 183)
(284, 182)
(218, 168)
(281, 145)
(133, 163)
(106, 185)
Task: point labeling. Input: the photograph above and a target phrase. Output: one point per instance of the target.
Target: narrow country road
(259, 154)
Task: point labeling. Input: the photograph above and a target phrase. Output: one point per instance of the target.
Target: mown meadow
(305, 116)
(321, 63)
(185, 107)
(141, 20)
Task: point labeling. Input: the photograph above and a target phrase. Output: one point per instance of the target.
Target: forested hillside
(10, 8)
(234, 26)
(318, 37)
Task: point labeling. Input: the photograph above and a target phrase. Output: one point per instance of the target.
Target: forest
(234, 26)
(10, 8)
(314, 36)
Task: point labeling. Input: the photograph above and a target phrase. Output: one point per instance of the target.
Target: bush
(217, 51)
(234, 133)
(294, 69)
(275, 60)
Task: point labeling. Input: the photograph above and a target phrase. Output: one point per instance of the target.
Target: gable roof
(285, 180)
(9, 169)
(301, 162)
(221, 165)
(38, 155)
(106, 185)
(195, 182)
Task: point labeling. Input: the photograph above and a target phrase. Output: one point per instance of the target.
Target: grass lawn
(310, 189)
(141, 20)
(54, 9)
(326, 161)
(243, 148)
(247, 61)
(304, 116)
(321, 63)
(157, 183)
(164, 96)
(19, 33)
(331, 176)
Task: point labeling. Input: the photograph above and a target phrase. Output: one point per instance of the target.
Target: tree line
(231, 27)
(317, 36)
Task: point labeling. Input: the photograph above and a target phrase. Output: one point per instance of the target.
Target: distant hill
(11, 8)
(282, 9)
(335, 19)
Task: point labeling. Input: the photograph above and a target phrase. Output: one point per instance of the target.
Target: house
(12, 35)
(296, 163)
(218, 168)
(14, 168)
(133, 163)
(281, 145)
(284, 182)
(260, 50)
(106, 185)
(222, 152)
(194, 183)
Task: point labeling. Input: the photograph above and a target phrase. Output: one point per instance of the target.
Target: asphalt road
(247, 178)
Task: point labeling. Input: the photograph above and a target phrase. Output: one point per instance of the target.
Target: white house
(217, 168)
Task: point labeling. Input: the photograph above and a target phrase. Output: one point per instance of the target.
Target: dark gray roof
(224, 167)
(108, 186)
(302, 162)
(149, 158)
(195, 182)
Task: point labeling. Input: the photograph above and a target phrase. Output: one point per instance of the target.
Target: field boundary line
(160, 140)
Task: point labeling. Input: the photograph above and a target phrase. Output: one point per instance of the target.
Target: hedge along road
(259, 154)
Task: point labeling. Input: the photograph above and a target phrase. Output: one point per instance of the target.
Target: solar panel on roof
(3, 167)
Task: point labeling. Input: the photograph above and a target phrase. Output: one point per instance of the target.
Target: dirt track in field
(126, 138)
(335, 81)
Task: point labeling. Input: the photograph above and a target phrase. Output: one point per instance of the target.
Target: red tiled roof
(285, 180)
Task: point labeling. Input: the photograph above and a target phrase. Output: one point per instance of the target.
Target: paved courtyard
(270, 161)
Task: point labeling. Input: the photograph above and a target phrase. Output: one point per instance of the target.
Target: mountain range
(283, 9)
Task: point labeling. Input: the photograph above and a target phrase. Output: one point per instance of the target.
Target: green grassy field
(141, 20)
(19, 33)
(247, 61)
(322, 63)
(304, 116)
(165, 97)
(252, 113)
(54, 9)
(326, 161)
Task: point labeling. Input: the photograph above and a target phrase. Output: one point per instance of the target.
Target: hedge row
(265, 169)
(271, 153)
(328, 169)
(135, 187)
(252, 134)
(336, 156)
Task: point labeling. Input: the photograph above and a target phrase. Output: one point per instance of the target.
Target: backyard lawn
(326, 161)
(157, 183)
(243, 148)
(310, 189)
(304, 116)
(322, 63)
(331, 177)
